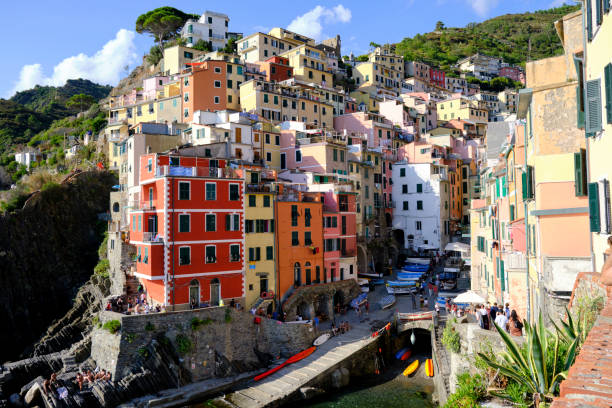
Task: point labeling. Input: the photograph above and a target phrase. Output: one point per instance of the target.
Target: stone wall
(473, 340)
(226, 343)
(313, 299)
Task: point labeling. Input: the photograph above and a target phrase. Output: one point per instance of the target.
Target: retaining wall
(227, 343)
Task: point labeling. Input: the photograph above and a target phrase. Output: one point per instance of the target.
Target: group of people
(89, 377)
(343, 327)
(505, 318)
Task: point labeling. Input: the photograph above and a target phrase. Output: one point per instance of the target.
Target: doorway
(194, 292)
(263, 285)
(215, 292)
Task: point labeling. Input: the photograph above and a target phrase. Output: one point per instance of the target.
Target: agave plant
(529, 368)
(572, 330)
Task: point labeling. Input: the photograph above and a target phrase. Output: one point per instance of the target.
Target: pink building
(437, 77)
(514, 73)
(152, 85)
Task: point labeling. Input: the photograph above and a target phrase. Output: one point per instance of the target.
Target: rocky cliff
(48, 251)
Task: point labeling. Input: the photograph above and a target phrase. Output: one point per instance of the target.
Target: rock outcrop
(47, 252)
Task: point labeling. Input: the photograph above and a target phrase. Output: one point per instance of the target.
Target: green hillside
(18, 124)
(52, 99)
(505, 36)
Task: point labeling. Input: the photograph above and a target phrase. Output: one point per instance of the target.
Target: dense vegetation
(47, 98)
(29, 112)
(506, 36)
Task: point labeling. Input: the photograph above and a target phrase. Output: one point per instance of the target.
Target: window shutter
(589, 19)
(579, 108)
(593, 106)
(594, 207)
(607, 209)
(606, 4)
(524, 185)
(228, 222)
(502, 278)
(580, 173)
(608, 87)
(598, 11)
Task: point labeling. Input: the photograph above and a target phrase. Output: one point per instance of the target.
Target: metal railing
(152, 237)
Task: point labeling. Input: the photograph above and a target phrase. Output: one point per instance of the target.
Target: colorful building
(188, 231)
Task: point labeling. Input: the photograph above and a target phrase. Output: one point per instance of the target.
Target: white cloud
(311, 23)
(261, 29)
(482, 7)
(104, 67)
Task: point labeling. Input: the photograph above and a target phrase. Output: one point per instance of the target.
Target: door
(238, 135)
(297, 274)
(194, 292)
(283, 161)
(263, 285)
(341, 273)
(308, 277)
(215, 292)
(152, 225)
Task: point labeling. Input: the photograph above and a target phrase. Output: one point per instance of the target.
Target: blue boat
(411, 274)
(400, 353)
(416, 268)
(359, 300)
(400, 284)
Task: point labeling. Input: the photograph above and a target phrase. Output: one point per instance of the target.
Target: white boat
(387, 301)
(321, 339)
(362, 281)
(369, 275)
(364, 289)
(407, 279)
(400, 291)
(420, 261)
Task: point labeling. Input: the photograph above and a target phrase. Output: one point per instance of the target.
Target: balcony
(390, 204)
(259, 188)
(181, 171)
(152, 237)
(347, 253)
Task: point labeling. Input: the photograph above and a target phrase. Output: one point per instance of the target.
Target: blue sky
(49, 42)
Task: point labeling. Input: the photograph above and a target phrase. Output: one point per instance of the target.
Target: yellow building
(260, 46)
(279, 103)
(464, 109)
(383, 70)
(309, 65)
(266, 144)
(597, 90)
(366, 101)
(176, 59)
(259, 238)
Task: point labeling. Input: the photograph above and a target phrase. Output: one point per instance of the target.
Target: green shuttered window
(580, 181)
(593, 107)
(608, 90)
(594, 207)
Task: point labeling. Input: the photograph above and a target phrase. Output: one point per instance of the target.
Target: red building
(188, 230)
(340, 236)
(514, 73)
(204, 87)
(276, 69)
(350, 106)
(437, 77)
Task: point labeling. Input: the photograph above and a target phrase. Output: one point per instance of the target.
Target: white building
(421, 195)
(228, 134)
(211, 27)
(27, 157)
(481, 66)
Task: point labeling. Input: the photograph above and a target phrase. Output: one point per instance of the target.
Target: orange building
(204, 87)
(276, 69)
(299, 240)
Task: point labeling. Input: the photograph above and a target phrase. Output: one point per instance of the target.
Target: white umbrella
(469, 297)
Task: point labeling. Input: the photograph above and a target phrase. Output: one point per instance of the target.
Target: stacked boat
(399, 287)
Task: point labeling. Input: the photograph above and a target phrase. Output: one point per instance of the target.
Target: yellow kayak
(411, 368)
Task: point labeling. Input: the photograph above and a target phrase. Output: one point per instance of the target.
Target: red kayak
(293, 359)
(406, 355)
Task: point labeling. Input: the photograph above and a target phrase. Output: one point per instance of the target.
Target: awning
(427, 246)
(457, 246)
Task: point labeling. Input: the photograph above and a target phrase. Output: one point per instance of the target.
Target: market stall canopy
(458, 247)
(469, 297)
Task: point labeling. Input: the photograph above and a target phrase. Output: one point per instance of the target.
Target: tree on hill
(82, 101)
(163, 23)
(439, 26)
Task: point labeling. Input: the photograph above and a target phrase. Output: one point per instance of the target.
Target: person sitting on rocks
(107, 376)
(79, 381)
(90, 377)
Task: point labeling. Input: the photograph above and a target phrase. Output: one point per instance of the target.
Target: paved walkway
(290, 379)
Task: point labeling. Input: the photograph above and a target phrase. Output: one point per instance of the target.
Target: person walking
(507, 310)
(502, 321)
(515, 326)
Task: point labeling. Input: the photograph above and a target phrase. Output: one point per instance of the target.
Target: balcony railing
(195, 172)
(152, 237)
(348, 253)
(259, 188)
(390, 204)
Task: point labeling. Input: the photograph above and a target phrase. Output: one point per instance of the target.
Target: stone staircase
(69, 362)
